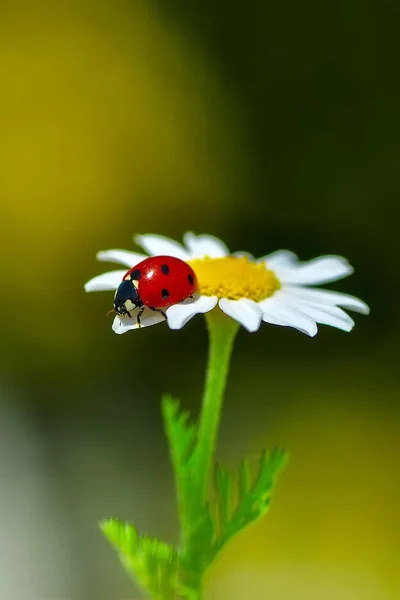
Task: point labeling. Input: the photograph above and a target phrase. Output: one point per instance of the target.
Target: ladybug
(155, 283)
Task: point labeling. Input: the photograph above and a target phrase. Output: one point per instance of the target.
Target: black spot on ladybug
(190, 279)
(164, 293)
(165, 269)
(136, 275)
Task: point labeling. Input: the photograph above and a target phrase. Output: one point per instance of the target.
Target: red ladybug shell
(162, 280)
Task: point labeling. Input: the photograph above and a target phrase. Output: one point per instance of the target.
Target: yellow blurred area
(107, 115)
(332, 531)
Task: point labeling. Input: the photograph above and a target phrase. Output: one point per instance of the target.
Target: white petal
(273, 320)
(242, 254)
(328, 297)
(246, 312)
(329, 315)
(320, 313)
(122, 257)
(157, 245)
(179, 314)
(318, 270)
(277, 313)
(204, 245)
(124, 324)
(279, 259)
(105, 281)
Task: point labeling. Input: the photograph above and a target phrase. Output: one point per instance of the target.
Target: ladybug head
(126, 298)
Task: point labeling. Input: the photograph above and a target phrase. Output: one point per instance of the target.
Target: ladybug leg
(158, 310)
(141, 311)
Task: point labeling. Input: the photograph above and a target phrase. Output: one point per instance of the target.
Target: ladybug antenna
(109, 312)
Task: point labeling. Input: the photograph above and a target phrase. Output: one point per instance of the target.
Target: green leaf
(225, 485)
(153, 563)
(196, 523)
(181, 435)
(243, 498)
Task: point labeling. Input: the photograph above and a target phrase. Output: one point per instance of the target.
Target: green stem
(222, 331)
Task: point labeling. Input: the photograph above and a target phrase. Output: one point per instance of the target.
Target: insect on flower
(277, 288)
(157, 282)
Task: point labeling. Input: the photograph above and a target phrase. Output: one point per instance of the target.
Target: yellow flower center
(234, 278)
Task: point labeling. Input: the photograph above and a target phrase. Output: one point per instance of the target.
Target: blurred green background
(271, 125)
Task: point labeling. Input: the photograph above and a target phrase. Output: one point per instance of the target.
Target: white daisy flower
(274, 288)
